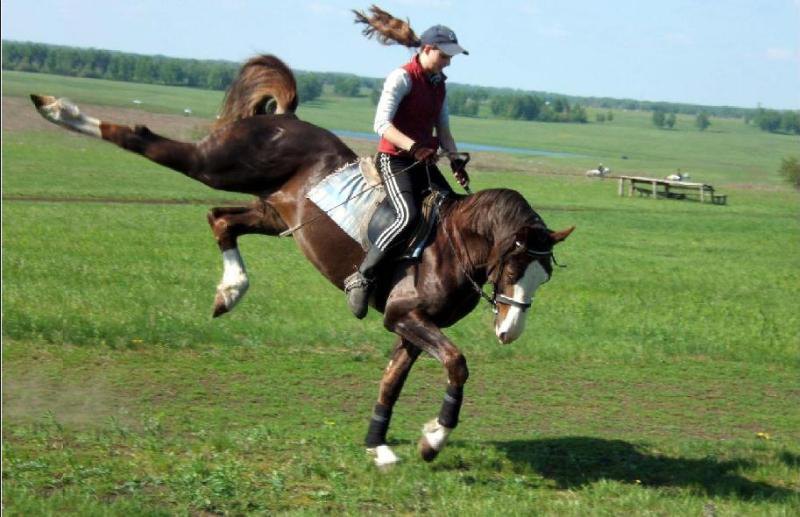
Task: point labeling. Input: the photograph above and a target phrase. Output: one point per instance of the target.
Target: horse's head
(521, 264)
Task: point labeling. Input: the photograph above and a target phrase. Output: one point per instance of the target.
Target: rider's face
(434, 60)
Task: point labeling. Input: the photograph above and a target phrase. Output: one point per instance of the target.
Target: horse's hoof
(426, 451)
(220, 307)
(384, 457)
(42, 100)
(433, 440)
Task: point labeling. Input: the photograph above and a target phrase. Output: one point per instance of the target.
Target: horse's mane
(386, 28)
(497, 212)
(264, 84)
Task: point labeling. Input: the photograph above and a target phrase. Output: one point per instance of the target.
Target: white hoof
(229, 295)
(234, 282)
(384, 457)
(64, 113)
(433, 440)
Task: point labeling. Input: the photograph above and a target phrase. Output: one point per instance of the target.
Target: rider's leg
(400, 187)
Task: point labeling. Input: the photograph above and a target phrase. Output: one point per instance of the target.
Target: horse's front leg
(227, 224)
(416, 328)
(403, 357)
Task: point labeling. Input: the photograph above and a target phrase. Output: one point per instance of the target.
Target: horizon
(686, 53)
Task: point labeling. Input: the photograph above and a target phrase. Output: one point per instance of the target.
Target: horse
(258, 146)
(600, 172)
(678, 176)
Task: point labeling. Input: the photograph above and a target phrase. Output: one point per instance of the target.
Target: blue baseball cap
(444, 39)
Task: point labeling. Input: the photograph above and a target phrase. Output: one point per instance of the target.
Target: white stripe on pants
(393, 191)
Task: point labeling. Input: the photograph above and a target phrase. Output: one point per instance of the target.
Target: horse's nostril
(502, 337)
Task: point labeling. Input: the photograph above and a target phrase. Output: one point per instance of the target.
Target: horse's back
(262, 153)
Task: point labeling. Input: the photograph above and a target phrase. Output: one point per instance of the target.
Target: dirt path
(19, 115)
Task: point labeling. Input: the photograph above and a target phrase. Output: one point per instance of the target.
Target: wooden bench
(669, 189)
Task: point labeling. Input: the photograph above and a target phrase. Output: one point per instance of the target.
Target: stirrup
(357, 287)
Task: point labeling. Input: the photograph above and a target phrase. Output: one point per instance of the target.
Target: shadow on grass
(577, 461)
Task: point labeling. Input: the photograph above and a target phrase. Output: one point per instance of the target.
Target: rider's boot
(358, 286)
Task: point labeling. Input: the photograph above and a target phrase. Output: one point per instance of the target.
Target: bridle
(498, 298)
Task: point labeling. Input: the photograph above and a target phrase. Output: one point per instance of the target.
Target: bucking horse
(258, 146)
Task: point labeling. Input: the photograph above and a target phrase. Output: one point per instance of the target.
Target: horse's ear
(560, 236)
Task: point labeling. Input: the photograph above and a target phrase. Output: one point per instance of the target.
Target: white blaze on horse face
(234, 278)
(511, 327)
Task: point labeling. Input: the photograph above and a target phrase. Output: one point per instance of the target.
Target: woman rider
(411, 106)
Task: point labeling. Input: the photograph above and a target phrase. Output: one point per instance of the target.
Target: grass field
(660, 372)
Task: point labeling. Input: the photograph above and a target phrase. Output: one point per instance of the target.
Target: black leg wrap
(378, 425)
(448, 415)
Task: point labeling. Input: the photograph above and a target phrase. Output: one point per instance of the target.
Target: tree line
(121, 66)
(776, 121)
(465, 100)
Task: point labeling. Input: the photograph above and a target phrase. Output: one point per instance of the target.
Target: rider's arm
(443, 130)
(396, 86)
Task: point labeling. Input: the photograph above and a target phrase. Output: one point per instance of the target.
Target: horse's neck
(472, 245)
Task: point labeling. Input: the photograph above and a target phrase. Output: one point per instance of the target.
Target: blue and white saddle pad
(350, 198)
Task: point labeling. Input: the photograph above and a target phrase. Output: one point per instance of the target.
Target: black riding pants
(405, 185)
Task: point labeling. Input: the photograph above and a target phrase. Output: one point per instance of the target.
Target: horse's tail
(264, 85)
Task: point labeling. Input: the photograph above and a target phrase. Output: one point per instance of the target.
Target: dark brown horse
(491, 236)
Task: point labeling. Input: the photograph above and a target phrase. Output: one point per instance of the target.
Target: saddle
(353, 196)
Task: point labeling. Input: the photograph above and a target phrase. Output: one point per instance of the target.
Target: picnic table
(670, 189)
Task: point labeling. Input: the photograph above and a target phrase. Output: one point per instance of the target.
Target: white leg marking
(514, 323)
(384, 456)
(436, 434)
(234, 278)
(65, 113)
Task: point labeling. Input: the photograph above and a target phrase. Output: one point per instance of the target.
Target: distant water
(466, 146)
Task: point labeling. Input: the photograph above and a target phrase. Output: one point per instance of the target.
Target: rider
(411, 106)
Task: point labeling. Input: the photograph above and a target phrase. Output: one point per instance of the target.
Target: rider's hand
(422, 153)
(459, 171)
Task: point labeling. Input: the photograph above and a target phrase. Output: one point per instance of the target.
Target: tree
(702, 121)
(600, 117)
(669, 121)
(790, 170)
(309, 87)
(610, 116)
(659, 118)
(768, 120)
(790, 122)
(347, 86)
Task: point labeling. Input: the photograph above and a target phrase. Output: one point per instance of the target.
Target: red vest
(419, 111)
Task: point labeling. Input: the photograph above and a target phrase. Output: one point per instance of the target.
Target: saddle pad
(348, 199)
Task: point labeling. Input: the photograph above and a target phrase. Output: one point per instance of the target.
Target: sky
(713, 52)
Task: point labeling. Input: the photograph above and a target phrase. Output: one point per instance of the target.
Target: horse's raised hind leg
(417, 329)
(180, 156)
(227, 224)
(394, 377)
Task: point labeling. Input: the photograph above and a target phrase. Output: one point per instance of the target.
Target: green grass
(659, 372)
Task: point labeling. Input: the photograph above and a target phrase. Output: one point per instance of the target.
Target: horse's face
(524, 266)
